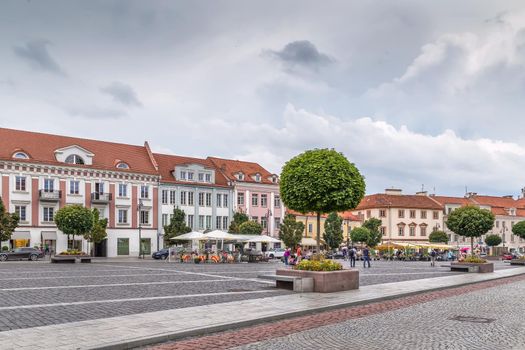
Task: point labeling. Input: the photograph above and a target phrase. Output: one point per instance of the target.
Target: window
(20, 210)
(368, 214)
(208, 222)
(277, 201)
(122, 246)
(49, 185)
(208, 177)
(255, 218)
(255, 200)
(201, 222)
(423, 214)
(20, 183)
(258, 177)
(497, 224)
(183, 175)
(225, 200)
(164, 196)
(423, 230)
(164, 219)
(449, 210)
(122, 190)
(401, 230)
(412, 230)
(277, 223)
(224, 222)
(208, 199)
(99, 187)
(218, 221)
(74, 159)
(190, 221)
(412, 214)
(201, 199)
(74, 187)
(511, 238)
(401, 213)
(173, 195)
(201, 177)
(219, 200)
(436, 215)
(240, 198)
(190, 176)
(190, 198)
(144, 217)
(144, 191)
(122, 216)
(183, 197)
(382, 213)
(310, 227)
(264, 222)
(20, 155)
(122, 166)
(264, 200)
(48, 214)
(240, 176)
(383, 230)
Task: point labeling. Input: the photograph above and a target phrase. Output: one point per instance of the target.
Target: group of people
(293, 259)
(352, 254)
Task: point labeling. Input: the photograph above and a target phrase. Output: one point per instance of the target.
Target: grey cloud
(301, 52)
(122, 93)
(36, 54)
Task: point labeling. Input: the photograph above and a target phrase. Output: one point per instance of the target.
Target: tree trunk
(318, 232)
(472, 246)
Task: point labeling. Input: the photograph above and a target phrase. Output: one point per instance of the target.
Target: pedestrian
(351, 254)
(286, 256)
(299, 254)
(366, 256)
(433, 254)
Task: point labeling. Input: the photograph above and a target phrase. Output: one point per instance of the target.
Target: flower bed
(327, 281)
(72, 252)
(476, 263)
(319, 265)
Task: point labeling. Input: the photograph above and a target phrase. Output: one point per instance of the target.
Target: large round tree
(321, 181)
(74, 220)
(519, 229)
(470, 221)
(493, 240)
(438, 237)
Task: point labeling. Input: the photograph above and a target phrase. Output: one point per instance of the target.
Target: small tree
(438, 237)
(321, 181)
(176, 227)
(375, 237)
(519, 229)
(333, 230)
(98, 231)
(250, 228)
(74, 220)
(493, 240)
(238, 219)
(360, 234)
(8, 223)
(470, 221)
(291, 231)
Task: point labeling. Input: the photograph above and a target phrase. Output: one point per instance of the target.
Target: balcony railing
(50, 196)
(101, 197)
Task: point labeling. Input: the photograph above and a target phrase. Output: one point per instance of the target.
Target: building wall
(310, 226)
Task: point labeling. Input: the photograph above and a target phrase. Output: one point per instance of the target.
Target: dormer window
(122, 165)
(240, 176)
(74, 159)
(274, 179)
(190, 176)
(208, 177)
(257, 177)
(183, 175)
(20, 155)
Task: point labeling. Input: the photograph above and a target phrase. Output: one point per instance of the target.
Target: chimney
(422, 193)
(394, 191)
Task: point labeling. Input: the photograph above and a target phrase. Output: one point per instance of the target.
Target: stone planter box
(473, 267)
(327, 282)
(517, 262)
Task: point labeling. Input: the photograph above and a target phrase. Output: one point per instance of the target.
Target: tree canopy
(360, 234)
(238, 219)
(98, 231)
(321, 181)
(333, 231)
(8, 223)
(291, 231)
(176, 227)
(74, 220)
(438, 237)
(373, 225)
(250, 228)
(493, 240)
(519, 229)
(470, 221)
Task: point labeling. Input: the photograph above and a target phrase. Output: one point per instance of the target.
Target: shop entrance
(101, 249)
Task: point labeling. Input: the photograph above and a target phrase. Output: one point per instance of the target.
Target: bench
(464, 268)
(297, 284)
(63, 260)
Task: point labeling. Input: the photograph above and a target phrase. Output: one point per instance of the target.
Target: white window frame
(74, 187)
(20, 183)
(123, 190)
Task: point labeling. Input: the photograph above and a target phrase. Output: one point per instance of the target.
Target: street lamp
(268, 216)
(139, 209)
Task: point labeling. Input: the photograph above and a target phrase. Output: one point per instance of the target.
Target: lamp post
(139, 209)
(268, 216)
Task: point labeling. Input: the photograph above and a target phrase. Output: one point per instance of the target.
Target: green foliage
(373, 225)
(321, 181)
(5, 248)
(360, 234)
(176, 227)
(470, 221)
(98, 231)
(238, 219)
(519, 229)
(250, 228)
(333, 230)
(493, 240)
(322, 265)
(438, 237)
(74, 220)
(474, 260)
(291, 231)
(8, 223)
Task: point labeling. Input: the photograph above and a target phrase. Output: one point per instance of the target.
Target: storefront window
(122, 246)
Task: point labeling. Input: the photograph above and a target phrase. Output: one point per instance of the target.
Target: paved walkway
(136, 330)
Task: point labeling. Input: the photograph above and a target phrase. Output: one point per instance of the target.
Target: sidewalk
(136, 330)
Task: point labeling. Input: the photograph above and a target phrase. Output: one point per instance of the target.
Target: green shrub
(5, 248)
(474, 259)
(323, 265)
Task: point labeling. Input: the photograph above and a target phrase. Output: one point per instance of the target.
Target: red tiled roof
(231, 167)
(41, 149)
(452, 200)
(381, 200)
(168, 162)
(502, 202)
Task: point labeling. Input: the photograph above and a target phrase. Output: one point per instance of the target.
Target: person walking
(286, 256)
(299, 254)
(352, 252)
(433, 255)
(366, 256)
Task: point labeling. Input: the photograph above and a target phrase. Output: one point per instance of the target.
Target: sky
(417, 94)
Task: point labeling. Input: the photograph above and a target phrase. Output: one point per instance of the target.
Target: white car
(275, 253)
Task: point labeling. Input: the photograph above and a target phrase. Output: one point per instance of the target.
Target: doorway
(101, 249)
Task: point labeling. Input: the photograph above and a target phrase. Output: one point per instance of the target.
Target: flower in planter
(474, 260)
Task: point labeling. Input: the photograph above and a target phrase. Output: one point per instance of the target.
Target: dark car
(161, 254)
(22, 253)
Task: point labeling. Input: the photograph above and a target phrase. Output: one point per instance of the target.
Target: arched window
(74, 159)
(122, 165)
(20, 155)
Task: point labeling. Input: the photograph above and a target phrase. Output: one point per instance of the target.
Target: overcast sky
(413, 92)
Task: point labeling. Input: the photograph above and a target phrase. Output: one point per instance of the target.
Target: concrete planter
(327, 282)
(473, 267)
(517, 262)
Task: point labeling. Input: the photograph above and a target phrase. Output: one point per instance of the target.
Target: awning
(49, 235)
(21, 235)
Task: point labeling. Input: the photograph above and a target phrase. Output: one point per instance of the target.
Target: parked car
(161, 254)
(507, 256)
(275, 253)
(332, 255)
(32, 254)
